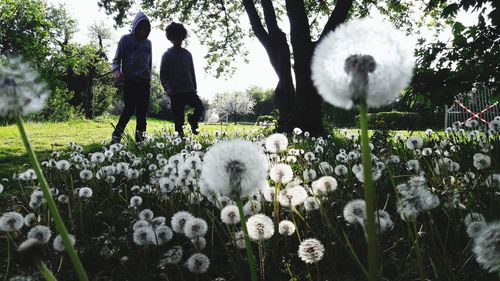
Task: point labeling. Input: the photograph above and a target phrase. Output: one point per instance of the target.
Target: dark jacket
(134, 56)
(177, 71)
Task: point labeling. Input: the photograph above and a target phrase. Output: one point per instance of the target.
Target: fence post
(445, 117)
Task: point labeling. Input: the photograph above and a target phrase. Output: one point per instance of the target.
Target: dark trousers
(135, 98)
(179, 102)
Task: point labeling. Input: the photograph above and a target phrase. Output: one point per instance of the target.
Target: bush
(395, 120)
(57, 108)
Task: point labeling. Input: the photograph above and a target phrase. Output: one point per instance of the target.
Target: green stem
(46, 273)
(248, 246)
(369, 191)
(8, 259)
(61, 228)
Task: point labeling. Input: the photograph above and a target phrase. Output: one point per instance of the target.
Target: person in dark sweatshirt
(132, 65)
(179, 80)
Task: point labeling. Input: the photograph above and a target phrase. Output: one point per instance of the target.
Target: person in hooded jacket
(132, 65)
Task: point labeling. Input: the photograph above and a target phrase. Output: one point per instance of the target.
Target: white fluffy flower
(276, 143)
(260, 227)
(195, 227)
(135, 201)
(172, 256)
(311, 250)
(11, 221)
(58, 243)
(21, 92)
(281, 173)
(414, 142)
(481, 161)
(41, 233)
(293, 196)
(486, 247)
(324, 185)
(179, 219)
(286, 227)
(86, 175)
(85, 192)
(234, 160)
(390, 48)
(198, 263)
(355, 211)
(144, 236)
(163, 234)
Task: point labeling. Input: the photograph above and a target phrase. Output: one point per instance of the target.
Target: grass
(47, 137)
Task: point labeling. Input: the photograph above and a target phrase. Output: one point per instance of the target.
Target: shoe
(194, 125)
(139, 136)
(115, 138)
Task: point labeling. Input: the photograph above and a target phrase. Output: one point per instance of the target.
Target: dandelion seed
(384, 220)
(158, 221)
(251, 207)
(195, 227)
(140, 223)
(281, 173)
(1, 188)
(474, 228)
(324, 185)
(11, 221)
(21, 92)
(355, 211)
(311, 203)
(325, 168)
(292, 196)
(58, 243)
(230, 215)
(146, 215)
(473, 217)
(276, 143)
(37, 197)
(63, 199)
(85, 192)
(391, 51)
(198, 263)
(135, 201)
(235, 162)
(413, 165)
(481, 161)
(309, 175)
(260, 227)
(86, 175)
(163, 234)
(286, 227)
(41, 233)
(144, 236)
(97, 157)
(30, 220)
(487, 247)
(199, 243)
(414, 142)
(179, 219)
(311, 250)
(415, 198)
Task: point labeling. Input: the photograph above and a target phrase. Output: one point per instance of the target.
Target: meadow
(160, 211)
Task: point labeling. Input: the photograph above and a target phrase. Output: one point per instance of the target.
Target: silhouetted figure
(132, 65)
(179, 80)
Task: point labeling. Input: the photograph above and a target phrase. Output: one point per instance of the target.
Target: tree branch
(338, 16)
(270, 17)
(256, 23)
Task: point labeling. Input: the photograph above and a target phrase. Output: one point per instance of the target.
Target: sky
(257, 72)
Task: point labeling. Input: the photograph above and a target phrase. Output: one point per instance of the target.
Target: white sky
(257, 72)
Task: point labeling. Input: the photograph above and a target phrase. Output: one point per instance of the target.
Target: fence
(476, 105)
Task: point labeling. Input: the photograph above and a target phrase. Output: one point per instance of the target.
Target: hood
(138, 18)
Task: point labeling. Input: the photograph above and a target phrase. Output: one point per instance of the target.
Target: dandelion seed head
(58, 243)
(281, 173)
(195, 227)
(311, 250)
(41, 233)
(232, 160)
(11, 221)
(179, 219)
(276, 143)
(198, 263)
(260, 227)
(355, 211)
(286, 227)
(487, 247)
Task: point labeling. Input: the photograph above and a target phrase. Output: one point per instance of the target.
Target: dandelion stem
(369, 194)
(61, 228)
(46, 273)
(8, 259)
(248, 246)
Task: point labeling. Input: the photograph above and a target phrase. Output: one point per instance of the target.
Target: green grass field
(47, 137)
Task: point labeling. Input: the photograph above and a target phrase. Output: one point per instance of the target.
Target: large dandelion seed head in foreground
(21, 92)
(391, 50)
(311, 250)
(487, 247)
(232, 161)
